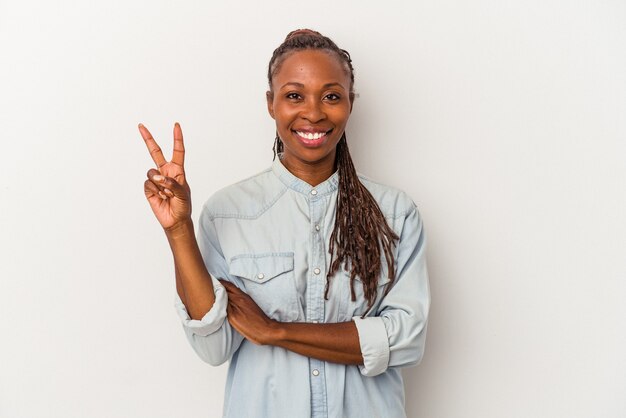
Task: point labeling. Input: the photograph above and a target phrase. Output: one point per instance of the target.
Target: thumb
(167, 184)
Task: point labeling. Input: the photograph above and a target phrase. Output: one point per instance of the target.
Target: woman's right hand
(166, 189)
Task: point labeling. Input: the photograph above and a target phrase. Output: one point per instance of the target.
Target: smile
(311, 135)
(311, 139)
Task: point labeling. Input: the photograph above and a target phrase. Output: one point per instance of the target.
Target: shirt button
(313, 192)
(260, 276)
(316, 372)
(317, 227)
(317, 271)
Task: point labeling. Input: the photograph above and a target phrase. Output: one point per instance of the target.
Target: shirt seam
(265, 208)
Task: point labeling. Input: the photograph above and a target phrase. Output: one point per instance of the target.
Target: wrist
(180, 229)
(275, 334)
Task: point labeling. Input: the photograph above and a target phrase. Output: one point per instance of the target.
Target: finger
(178, 156)
(231, 306)
(168, 183)
(153, 172)
(231, 289)
(228, 285)
(153, 147)
(231, 312)
(153, 194)
(150, 189)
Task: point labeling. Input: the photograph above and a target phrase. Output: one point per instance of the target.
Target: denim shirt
(269, 234)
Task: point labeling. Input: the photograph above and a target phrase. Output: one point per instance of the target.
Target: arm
(193, 282)
(337, 342)
(211, 336)
(394, 336)
(201, 300)
(169, 196)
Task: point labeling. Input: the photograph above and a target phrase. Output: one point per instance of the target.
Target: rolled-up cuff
(374, 345)
(212, 320)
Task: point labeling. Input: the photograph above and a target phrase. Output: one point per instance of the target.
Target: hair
(361, 231)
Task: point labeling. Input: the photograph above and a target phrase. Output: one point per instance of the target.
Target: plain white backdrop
(504, 120)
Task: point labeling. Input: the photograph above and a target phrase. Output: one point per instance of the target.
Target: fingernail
(158, 177)
(168, 192)
(141, 125)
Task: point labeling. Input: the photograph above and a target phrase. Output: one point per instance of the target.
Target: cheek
(341, 112)
(284, 116)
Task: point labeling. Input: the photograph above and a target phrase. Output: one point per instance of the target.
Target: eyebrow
(325, 86)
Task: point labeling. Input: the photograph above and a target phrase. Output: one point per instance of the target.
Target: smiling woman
(309, 278)
(310, 99)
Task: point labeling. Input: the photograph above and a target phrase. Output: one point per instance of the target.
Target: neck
(313, 173)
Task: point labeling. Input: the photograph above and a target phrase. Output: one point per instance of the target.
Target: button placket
(315, 311)
(315, 288)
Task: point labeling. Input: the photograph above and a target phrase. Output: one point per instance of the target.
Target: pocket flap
(260, 268)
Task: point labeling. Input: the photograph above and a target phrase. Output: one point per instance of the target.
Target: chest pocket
(268, 278)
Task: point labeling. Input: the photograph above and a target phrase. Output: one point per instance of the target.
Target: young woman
(309, 278)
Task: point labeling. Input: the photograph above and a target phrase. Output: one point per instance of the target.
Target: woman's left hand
(334, 342)
(246, 316)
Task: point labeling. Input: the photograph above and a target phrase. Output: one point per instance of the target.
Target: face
(311, 103)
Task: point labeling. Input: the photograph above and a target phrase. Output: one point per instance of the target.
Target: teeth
(309, 135)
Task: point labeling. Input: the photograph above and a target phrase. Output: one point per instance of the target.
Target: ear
(269, 96)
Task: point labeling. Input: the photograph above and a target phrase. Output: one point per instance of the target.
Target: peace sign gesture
(166, 189)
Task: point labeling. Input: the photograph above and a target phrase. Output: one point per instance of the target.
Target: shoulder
(393, 202)
(247, 198)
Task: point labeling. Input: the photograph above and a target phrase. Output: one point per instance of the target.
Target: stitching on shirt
(263, 209)
(387, 213)
(263, 255)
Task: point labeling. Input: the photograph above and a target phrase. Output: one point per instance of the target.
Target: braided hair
(361, 231)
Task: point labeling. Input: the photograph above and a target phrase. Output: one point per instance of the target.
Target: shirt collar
(295, 183)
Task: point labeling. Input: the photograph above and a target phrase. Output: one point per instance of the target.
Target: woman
(309, 278)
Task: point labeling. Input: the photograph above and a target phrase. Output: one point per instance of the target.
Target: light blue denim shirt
(269, 235)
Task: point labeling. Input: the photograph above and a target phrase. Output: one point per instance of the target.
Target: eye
(293, 96)
(332, 97)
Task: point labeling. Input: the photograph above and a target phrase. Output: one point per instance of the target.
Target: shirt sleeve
(396, 335)
(212, 337)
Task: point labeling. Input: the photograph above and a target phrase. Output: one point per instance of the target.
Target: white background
(505, 121)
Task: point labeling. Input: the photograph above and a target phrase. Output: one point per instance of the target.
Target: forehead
(312, 67)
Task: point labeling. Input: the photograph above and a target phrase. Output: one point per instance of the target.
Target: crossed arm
(336, 342)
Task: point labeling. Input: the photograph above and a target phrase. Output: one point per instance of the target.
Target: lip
(311, 143)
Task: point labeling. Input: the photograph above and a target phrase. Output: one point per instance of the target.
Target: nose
(313, 111)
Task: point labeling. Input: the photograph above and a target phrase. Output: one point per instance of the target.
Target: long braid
(361, 231)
